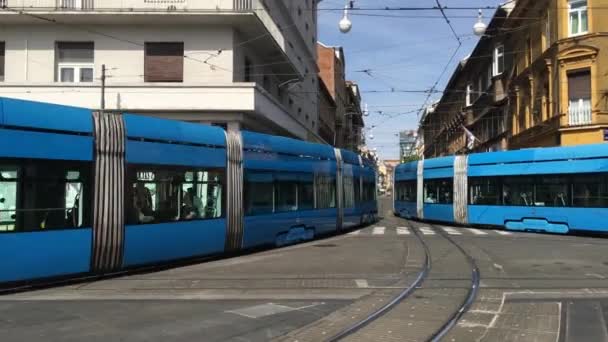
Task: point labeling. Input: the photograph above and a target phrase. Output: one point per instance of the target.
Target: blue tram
(557, 190)
(83, 192)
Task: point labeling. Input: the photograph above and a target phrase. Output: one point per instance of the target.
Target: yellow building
(560, 69)
(538, 78)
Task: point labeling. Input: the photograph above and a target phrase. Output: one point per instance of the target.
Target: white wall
(124, 54)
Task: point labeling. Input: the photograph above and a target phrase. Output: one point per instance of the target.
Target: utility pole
(103, 87)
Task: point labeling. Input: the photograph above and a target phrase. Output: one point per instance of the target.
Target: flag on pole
(470, 138)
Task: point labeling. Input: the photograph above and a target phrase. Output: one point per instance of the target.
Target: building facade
(536, 79)
(242, 64)
(345, 99)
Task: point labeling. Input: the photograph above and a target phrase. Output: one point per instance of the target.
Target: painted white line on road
(427, 231)
(361, 283)
(502, 232)
(595, 275)
(403, 231)
(451, 231)
(477, 231)
(356, 232)
(378, 230)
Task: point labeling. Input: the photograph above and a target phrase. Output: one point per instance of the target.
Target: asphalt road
(534, 287)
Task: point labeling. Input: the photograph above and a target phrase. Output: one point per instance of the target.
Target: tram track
(471, 295)
(422, 276)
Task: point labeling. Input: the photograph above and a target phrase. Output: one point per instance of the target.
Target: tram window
(8, 198)
(286, 196)
(259, 193)
(306, 194)
(41, 194)
(157, 195)
(590, 191)
(438, 191)
(552, 191)
(407, 191)
(369, 190)
(325, 187)
(349, 194)
(518, 191)
(484, 191)
(357, 189)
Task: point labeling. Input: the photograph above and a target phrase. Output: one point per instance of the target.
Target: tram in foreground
(555, 190)
(84, 193)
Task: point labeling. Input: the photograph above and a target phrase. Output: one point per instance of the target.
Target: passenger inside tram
(142, 203)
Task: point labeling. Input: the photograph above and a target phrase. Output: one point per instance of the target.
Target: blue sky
(407, 51)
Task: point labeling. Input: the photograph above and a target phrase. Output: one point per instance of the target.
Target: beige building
(237, 63)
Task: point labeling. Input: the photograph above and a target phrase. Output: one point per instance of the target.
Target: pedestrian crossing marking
(477, 231)
(403, 231)
(427, 231)
(451, 231)
(378, 230)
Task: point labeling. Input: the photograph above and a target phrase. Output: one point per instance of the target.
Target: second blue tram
(555, 190)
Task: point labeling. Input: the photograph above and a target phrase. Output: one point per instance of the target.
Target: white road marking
(403, 231)
(378, 230)
(595, 275)
(502, 232)
(356, 232)
(477, 231)
(361, 283)
(451, 231)
(427, 231)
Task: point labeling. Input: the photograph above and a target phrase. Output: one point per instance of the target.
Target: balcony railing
(73, 4)
(243, 5)
(579, 112)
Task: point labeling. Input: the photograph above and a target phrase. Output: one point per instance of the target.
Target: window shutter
(164, 62)
(579, 85)
(75, 52)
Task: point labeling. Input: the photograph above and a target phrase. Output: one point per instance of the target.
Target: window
(407, 191)
(259, 193)
(286, 195)
(578, 22)
(590, 191)
(162, 194)
(38, 195)
(469, 96)
(484, 191)
(248, 70)
(306, 193)
(438, 191)
(489, 76)
(547, 30)
(528, 51)
(579, 98)
(349, 193)
(164, 62)
(552, 191)
(74, 62)
(326, 191)
(499, 60)
(369, 190)
(480, 88)
(2, 54)
(580, 190)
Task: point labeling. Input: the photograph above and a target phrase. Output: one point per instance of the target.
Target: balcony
(579, 112)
